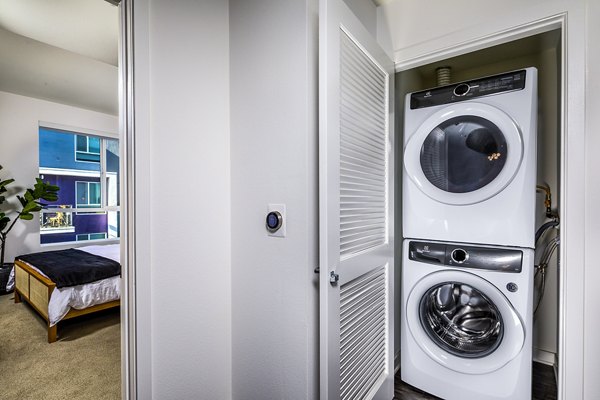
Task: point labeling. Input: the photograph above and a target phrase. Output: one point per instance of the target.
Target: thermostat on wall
(275, 220)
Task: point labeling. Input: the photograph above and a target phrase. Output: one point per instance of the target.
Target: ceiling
(64, 51)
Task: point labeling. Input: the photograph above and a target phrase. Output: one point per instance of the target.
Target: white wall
(419, 34)
(183, 176)
(143, 189)
(592, 230)
(20, 117)
(274, 160)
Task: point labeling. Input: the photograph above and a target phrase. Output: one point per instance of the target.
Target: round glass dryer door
(464, 153)
(463, 322)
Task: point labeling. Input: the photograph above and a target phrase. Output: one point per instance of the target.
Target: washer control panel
(468, 90)
(455, 255)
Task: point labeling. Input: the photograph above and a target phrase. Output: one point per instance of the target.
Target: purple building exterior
(83, 223)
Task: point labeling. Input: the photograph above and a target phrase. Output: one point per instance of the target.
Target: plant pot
(4, 274)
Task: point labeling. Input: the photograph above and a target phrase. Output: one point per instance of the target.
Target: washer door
(463, 322)
(464, 154)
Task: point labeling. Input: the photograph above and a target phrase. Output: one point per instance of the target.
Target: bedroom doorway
(61, 121)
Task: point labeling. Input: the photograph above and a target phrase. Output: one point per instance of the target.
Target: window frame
(87, 146)
(89, 235)
(94, 205)
(103, 208)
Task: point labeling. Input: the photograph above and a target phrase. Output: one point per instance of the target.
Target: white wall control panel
(275, 220)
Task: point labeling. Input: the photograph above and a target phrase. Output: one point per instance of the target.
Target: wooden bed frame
(36, 290)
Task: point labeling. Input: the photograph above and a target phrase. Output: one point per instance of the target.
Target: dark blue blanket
(72, 267)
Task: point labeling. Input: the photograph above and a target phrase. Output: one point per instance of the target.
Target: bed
(57, 302)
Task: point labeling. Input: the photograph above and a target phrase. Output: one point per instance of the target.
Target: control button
(462, 89)
(459, 256)
(274, 221)
(512, 287)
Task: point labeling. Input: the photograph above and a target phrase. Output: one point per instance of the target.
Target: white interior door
(356, 209)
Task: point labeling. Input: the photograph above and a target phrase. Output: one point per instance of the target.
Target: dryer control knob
(459, 256)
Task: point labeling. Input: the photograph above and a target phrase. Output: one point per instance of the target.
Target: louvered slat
(363, 333)
(363, 151)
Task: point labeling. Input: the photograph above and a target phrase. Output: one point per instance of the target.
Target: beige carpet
(83, 364)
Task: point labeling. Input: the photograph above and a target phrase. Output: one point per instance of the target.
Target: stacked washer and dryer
(469, 182)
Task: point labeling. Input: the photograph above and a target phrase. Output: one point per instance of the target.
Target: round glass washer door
(464, 153)
(463, 322)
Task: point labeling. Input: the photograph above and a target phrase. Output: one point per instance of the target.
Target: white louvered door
(356, 209)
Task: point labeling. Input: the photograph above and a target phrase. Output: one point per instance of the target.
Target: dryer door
(463, 322)
(464, 154)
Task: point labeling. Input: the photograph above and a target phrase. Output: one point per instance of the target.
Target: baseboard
(544, 357)
(396, 362)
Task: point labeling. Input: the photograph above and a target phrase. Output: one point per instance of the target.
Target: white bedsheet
(83, 296)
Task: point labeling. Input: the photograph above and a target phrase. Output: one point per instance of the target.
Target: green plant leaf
(50, 197)
(29, 195)
(6, 183)
(22, 201)
(31, 207)
(3, 221)
(30, 200)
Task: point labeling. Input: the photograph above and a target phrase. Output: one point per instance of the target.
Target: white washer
(466, 320)
(470, 161)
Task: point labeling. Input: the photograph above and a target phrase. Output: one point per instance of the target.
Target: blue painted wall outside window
(57, 150)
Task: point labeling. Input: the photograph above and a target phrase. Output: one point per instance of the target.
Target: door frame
(127, 135)
(572, 188)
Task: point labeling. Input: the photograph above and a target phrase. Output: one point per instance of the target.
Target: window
(87, 194)
(87, 148)
(86, 168)
(91, 236)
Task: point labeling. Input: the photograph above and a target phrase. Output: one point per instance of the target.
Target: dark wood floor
(544, 386)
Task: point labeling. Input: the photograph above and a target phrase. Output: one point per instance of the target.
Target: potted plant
(30, 202)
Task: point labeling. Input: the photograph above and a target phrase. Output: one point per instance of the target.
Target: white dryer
(470, 161)
(466, 323)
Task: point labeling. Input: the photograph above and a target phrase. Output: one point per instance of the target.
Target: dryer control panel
(464, 256)
(468, 90)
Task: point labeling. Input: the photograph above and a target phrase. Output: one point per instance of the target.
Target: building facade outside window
(86, 168)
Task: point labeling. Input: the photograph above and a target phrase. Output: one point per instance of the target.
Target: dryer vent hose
(443, 76)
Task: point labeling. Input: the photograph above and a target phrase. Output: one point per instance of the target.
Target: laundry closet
(488, 67)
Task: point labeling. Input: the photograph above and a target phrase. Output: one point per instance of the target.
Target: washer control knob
(459, 256)
(462, 89)
(512, 287)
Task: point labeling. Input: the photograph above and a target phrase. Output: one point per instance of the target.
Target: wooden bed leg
(52, 333)
(17, 297)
